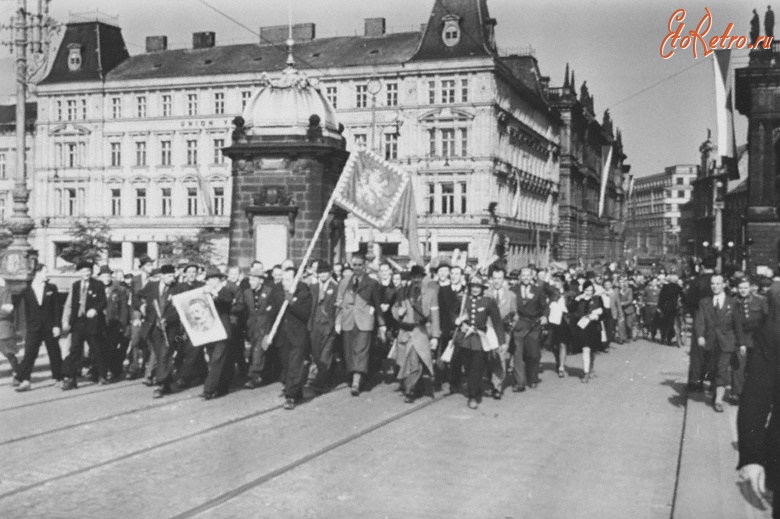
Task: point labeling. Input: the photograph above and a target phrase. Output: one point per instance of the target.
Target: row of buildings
(497, 154)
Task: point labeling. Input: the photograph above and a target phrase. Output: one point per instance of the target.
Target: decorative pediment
(69, 130)
(165, 179)
(190, 179)
(445, 114)
(138, 179)
(115, 181)
(215, 178)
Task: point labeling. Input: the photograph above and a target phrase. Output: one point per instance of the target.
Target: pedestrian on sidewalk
(718, 331)
(758, 418)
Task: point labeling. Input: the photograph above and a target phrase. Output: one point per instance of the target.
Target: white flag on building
(604, 180)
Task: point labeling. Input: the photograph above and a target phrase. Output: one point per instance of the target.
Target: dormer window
(74, 57)
(451, 32)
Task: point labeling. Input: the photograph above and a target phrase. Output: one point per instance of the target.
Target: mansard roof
(344, 51)
(476, 31)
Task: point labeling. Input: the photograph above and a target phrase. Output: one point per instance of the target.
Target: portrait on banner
(199, 317)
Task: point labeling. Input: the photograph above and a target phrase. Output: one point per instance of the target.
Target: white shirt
(719, 300)
(38, 289)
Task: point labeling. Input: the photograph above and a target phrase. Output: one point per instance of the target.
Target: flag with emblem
(381, 195)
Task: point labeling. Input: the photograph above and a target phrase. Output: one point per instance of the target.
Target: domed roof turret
(284, 106)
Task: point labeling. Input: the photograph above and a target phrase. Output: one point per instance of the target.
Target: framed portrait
(199, 317)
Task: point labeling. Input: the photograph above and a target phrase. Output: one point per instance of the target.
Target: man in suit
(450, 298)
(84, 316)
(359, 310)
(322, 325)
(143, 359)
(532, 306)
(256, 303)
(189, 362)
(220, 366)
(42, 311)
(758, 418)
(162, 323)
(506, 300)
(238, 332)
(117, 319)
(718, 331)
(292, 338)
(699, 289)
(754, 310)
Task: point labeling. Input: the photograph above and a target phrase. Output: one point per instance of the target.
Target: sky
(662, 106)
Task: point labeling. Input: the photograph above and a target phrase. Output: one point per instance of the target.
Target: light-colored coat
(424, 314)
(359, 307)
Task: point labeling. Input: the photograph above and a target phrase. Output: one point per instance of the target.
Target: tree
(199, 248)
(90, 241)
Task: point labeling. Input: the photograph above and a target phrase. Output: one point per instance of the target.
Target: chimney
(374, 27)
(280, 33)
(156, 44)
(203, 40)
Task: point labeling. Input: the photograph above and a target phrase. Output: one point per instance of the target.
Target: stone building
(585, 234)
(654, 217)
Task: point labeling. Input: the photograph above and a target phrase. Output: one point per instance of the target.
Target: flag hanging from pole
(381, 195)
(604, 180)
(724, 111)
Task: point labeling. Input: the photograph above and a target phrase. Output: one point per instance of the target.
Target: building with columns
(139, 139)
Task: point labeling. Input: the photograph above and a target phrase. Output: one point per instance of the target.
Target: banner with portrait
(199, 317)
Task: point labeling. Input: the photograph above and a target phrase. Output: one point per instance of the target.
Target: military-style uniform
(754, 310)
(469, 339)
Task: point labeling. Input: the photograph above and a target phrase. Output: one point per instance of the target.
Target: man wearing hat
(190, 362)
(161, 323)
(416, 310)
(255, 302)
(220, 366)
(117, 319)
(322, 324)
(84, 316)
(470, 337)
(140, 350)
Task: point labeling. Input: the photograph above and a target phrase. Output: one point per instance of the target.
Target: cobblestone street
(606, 449)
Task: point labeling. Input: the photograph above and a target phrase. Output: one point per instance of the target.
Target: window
(219, 103)
(362, 96)
(448, 143)
(462, 198)
(360, 140)
(447, 198)
(140, 153)
(192, 104)
(192, 201)
(140, 103)
(3, 166)
(448, 91)
(464, 90)
(165, 153)
(165, 197)
(219, 158)
(464, 142)
(140, 201)
(431, 198)
(432, 143)
(116, 107)
(2, 209)
(392, 94)
(246, 95)
(71, 110)
(71, 155)
(116, 202)
(192, 152)
(83, 108)
(431, 92)
(680, 194)
(332, 93)
(391, 146)
(116, 154)
(71, 203)
(219, 201)
(166, 105)
(451, 34)
(115, 250)
(59, 110)
(680, 181)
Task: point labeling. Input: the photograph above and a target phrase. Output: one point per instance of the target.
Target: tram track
(76, 393)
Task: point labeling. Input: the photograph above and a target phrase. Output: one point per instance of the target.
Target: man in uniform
(322, 325)
(754, 310)
(416, 310)
(83, 315)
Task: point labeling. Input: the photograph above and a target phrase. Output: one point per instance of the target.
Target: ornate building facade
(139, 139)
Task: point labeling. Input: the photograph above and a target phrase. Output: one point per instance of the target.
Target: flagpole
(301, 267)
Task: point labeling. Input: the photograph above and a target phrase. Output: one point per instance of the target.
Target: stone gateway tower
(288, 152)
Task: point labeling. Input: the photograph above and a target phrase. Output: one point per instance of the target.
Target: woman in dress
(587, 312)
(558, 321)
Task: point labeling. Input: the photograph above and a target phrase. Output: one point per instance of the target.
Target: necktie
(355, 282)
(83, 299)
(163, 295)
(322, 292)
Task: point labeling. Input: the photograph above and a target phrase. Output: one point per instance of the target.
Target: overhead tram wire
(653, 85)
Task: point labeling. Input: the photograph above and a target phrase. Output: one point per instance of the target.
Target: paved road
(608, 449)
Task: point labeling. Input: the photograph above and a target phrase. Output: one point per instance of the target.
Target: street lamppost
(32, 34)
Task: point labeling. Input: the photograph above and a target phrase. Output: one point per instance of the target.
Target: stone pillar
(152, 249)
(127, 256)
